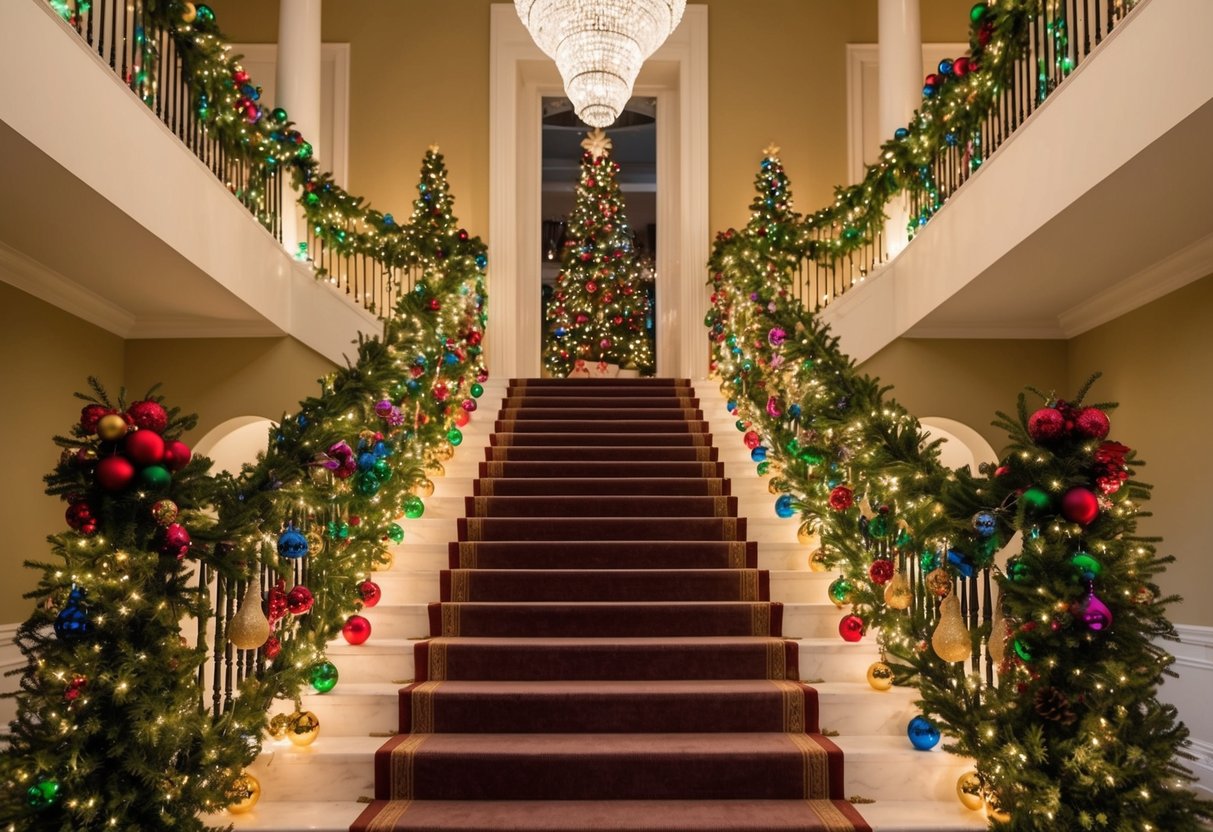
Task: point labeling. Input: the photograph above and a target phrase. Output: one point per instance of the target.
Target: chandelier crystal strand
(599, 46)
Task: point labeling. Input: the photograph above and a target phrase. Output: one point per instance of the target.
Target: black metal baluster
(228, 648)
(203, 589)
(987, 618)
(220, 640)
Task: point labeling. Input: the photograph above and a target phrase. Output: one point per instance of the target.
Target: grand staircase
(616, 647)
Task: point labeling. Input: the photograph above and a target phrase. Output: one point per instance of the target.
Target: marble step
(883, 816)
(336, 767)
(850, 708)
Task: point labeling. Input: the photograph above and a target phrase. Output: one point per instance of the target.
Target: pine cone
(1053, 705)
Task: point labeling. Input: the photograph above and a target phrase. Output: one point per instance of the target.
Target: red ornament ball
(144, 447)
(176, 455)
(148, 415)
(462, 418)
(115, 473)
(881, 571)
(851, 628)
(90, 415)
(78, 515)
(842, 498)
(1080, 505)
(370, 593)
(1092, 422)
(356, 630)
(752, 440)
(175, 541)
(435, 304)
(272, 648)
(275, 602)
(299, 600)
(1046, 425)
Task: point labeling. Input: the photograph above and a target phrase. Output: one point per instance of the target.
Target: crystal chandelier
(599, 46)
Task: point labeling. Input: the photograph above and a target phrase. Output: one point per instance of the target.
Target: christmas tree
(110, 733)
(599, 309)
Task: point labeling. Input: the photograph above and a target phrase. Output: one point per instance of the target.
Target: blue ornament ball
(922, 733)
(759, 454)
(900, 133)
(482, 261)
(794, 411)
(783, 506)
(292, 543)
(72, 622)
(945, 66)
(366, 461)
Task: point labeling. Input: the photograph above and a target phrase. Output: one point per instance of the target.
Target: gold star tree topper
(597, 143)
(771, 150)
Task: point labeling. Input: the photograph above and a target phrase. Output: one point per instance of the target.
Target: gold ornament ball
(819, 561)
(425, 488)
(244, 793)
(278, 726)
(383, 561)
(803, 535)
(435, 469)
(190, 13)
(994, 810)
(112, 427)
(968, 789)
(303, 728)
(880, 676)
(774, 487)
(939, 582)
(443, 453)
(315, 539)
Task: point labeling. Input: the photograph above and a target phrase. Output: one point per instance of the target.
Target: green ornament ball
(382, 469)
(793, 446)
(279, 115)
(740, 425)
(156, 477)
(43, 794)
(1021, 650)
(928, 561)
(455, 436)
(304, 151)
(763, 468)
(841, 591)
(1036, 499)
(205, 14)
(367, 484)
(878, 527)
(1087, 565)
(413, 507)
(323, 676)
(395, 533)
(977, 12)
(477, 391)
(811, 456)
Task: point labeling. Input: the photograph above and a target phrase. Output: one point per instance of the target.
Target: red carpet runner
(605, 654)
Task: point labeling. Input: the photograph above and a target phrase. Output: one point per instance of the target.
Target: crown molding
(32, 277)
(1151, 283)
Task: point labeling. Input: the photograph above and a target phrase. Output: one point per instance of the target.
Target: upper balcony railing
(160, 61)
(971, 106)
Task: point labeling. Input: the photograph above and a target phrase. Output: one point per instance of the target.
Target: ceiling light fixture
(599, 46)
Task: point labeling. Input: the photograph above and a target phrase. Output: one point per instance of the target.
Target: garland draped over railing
(1050, 686)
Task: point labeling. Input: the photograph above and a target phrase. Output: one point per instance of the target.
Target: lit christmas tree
(599, 310)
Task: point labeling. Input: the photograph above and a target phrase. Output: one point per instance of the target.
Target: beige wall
(419, 73)
(222, 378)
(48, 356)
(1158, 363)
(968, 380)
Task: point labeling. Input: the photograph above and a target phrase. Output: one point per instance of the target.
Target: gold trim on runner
(475, 530)
(402, 766)
(385, 821)
(496, 470)
(698, 426)
(437, 660)
(467, 555)
(423, 707)
(507, 426)
(760, 620)
(793, 705)
(461, 585)
(749, 584)
(486, 488)
(715, 487)
(709, 469)
(699, 439)
(737, 553)
(728, 528)
(450, 619)
(480, 506)
(831, 816)
(816, 765)
(777, 655)
(720, 507)
(703, 454)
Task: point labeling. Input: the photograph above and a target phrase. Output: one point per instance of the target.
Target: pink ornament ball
(1092, 423)
(1046, 425)
(148, 415)
(176, 455)
(356, 630)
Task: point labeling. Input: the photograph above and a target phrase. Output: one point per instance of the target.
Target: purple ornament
(395, 417)
(776, 336)
(383, 407)
(1095, 613)
(341, 460)
(469, 405)
(773, 409)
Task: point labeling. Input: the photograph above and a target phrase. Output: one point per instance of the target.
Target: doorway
(521, 77)
(630, 319)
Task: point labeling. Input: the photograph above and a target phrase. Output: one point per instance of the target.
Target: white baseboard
(1194, 664)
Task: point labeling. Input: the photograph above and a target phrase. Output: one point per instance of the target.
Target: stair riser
(360, 665)
(613, 620)
(311, 775)
(604, 585)
(811, 620)
(911, 775)
(397, 621)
